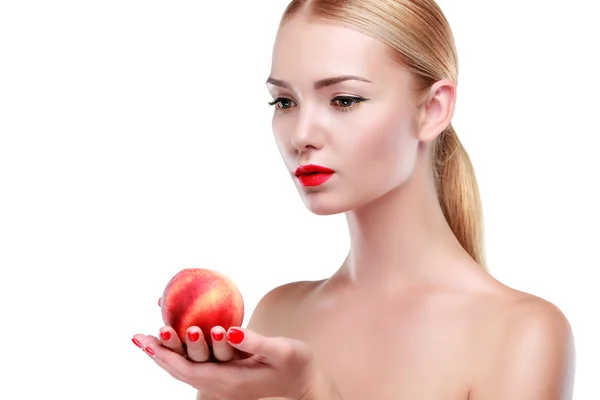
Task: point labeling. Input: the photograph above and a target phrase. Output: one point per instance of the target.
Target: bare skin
(409, 315)
(426, 341)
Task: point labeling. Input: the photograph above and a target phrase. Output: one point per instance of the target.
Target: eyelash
(355, 103)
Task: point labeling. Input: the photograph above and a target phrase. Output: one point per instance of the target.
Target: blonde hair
(420, 39)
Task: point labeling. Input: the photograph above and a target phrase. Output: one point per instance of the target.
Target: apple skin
(201, 297)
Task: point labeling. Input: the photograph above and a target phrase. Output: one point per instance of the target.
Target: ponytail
(458, 193)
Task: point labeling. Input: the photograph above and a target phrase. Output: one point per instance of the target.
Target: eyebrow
(320, 83)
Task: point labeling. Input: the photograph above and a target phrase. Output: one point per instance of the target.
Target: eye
(346, 103)
(281, 104)
(340, 103)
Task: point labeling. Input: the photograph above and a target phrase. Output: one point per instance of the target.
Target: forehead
(307, 50)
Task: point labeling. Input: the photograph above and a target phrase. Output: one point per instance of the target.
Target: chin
(326, 204)
(331, 202)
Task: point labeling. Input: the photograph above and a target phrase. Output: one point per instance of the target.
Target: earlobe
(437, 110)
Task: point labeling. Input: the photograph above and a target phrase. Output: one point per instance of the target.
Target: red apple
(203, 298)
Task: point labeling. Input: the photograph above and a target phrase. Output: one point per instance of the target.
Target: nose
(307, 136)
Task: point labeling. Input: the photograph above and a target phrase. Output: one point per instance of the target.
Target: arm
(265, 320)
(537, 358)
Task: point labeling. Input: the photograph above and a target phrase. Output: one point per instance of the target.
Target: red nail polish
(165, 336)
(218, 336)
(159, 301)
(149, 351)
(235, 336)
(193, 336)
(137, 342)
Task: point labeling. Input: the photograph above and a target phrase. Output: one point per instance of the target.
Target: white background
(135, 141)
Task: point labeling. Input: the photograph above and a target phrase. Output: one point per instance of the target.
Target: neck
(401, 237)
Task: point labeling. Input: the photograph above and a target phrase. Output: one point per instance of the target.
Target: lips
(313, 175)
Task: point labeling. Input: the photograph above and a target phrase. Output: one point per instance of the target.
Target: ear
(438, 110)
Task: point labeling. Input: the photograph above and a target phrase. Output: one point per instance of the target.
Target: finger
(197, 348)
(222, 350)
(198, 375)
(170, 340)
(149, 346)
(265, 350)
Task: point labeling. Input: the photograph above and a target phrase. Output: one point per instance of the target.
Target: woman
(364, 93)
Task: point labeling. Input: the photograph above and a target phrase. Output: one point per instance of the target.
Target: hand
(195, 347)
(275, 367)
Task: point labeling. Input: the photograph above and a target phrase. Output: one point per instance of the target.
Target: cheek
(278, 127)
(388, 147)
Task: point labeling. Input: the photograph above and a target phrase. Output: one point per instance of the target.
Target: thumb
(268, 350)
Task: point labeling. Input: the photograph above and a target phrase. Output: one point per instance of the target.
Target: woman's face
(362, 129)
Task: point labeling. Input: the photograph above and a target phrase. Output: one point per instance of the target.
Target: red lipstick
(313, 175)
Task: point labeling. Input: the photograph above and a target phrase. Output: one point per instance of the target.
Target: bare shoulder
(529, 313)
(277, 305)
(538, 332)
(530, 350)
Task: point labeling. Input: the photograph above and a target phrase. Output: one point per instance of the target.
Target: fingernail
(149, 350)
(235, 336)
(193, 336)
(159, 301)
(218, 336)
(165, 335)
(137, 342)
